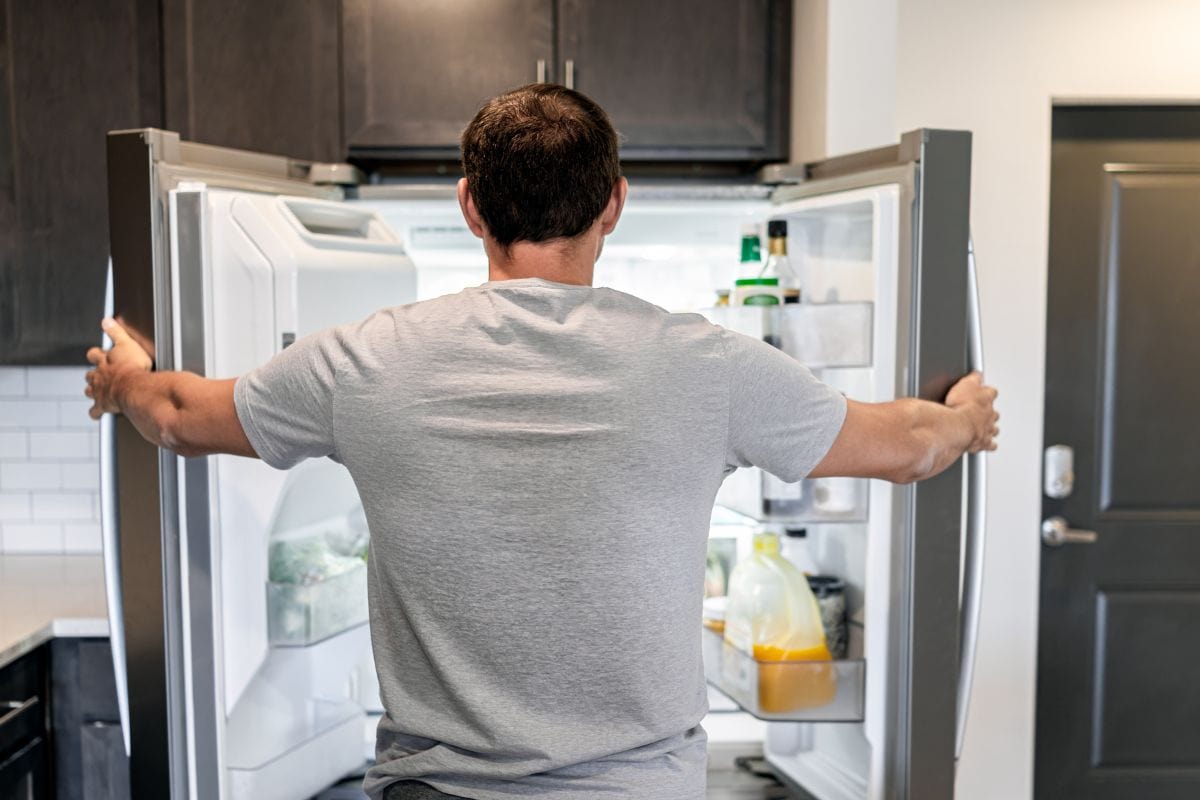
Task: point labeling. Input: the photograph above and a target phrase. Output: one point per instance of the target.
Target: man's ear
(616, 203)
(469, 212)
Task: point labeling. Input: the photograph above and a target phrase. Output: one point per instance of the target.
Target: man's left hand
(124, 355)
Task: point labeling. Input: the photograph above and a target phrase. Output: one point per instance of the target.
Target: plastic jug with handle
(773, 617)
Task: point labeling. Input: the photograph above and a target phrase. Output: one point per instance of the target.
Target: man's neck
(559, 262)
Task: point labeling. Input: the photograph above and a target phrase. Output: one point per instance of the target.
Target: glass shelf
(786, 691)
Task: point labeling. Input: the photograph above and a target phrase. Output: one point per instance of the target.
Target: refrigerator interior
(676, 252)
(296, 671)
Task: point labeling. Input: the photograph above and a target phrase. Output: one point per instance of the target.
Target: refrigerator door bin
(786, 691)
(301, 614)
(818, 335)
(763, 497)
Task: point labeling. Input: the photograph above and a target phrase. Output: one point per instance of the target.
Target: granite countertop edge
(66, 627)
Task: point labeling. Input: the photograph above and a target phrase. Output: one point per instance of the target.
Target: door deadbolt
(1059, 471)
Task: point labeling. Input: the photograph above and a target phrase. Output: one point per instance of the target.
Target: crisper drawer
(786, 691)
(304, 613)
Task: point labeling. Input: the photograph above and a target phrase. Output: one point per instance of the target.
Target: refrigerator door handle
(110, 538)
(976, 526)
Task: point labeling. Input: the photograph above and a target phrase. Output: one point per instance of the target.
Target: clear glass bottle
(778, 264)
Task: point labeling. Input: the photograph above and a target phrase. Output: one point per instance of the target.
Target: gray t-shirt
(538, 464)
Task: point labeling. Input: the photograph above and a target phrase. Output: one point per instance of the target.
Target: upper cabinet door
(694, 80)
(71, 72)
(414, 73)
(260, 75)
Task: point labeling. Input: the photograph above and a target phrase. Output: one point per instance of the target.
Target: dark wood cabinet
(695, 80)
(24, 731)
(683, 80)
(415, 73)
(104, 767)
(72, 70)
(259, 75)
(89, 746)
(25, 775)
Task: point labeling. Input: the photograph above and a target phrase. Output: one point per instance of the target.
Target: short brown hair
(541, 162)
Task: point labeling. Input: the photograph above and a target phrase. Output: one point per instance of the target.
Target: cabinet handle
(541, 70)
(569, 70)
(15, 709)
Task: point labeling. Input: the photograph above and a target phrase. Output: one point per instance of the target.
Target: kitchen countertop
(42, 597)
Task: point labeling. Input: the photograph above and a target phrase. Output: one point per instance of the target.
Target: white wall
(993, 68)
(860, 79)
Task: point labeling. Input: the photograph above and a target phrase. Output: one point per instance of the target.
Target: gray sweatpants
(415, 790)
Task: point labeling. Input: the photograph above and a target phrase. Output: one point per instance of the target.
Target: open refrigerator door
(879, 242)
(250, 582)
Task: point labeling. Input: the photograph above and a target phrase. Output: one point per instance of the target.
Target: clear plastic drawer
(301, 614)
(786, 691)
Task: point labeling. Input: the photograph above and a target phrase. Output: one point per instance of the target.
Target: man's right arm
(910, 440)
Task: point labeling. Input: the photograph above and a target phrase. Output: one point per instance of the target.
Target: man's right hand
(976, 402)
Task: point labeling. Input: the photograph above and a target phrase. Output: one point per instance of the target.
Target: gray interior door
(1118, 700)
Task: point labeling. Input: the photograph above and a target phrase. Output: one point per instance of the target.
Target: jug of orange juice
(773, 617)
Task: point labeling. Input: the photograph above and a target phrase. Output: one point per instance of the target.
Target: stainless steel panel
(144, 166)
(932, 169)
(149, 557)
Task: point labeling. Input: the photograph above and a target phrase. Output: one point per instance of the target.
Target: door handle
(1056, 532)
(975, 541)
(111, 542)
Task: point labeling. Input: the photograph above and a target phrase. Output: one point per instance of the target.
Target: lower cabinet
(105, 767)
(25, 774)
(89, 747)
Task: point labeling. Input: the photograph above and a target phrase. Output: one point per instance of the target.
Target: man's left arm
(181, 411)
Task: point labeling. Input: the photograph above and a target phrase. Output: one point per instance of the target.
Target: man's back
(538, 463)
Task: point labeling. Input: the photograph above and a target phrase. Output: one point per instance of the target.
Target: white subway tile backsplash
(28, 414)
(12, 381)
(62, 506)
(62, 444)
(81, 537)
(31, 537)
(81, 476)
(30, 476)
(15, 506)
(55, 381)
(74, 413)
(49, 474)
(14, 445)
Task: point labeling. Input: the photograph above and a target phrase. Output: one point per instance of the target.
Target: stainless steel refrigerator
(238, 685)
